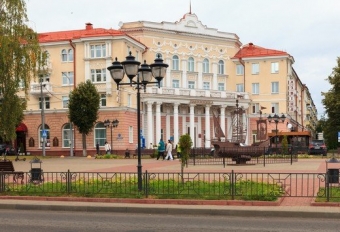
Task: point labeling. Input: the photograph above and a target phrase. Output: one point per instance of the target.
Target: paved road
(39, 221)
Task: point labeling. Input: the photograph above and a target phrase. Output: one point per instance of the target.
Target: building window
(205, 65)
(191, 64)
(68, 78)
(98, 51)
(130, 134)
(220, 86)
(206, 85)
(65, 102)
(102, 99)
(255, 108)
(255, 68)
(99, 134)
(274, 67)
(255, 88)
(98, 75)
(239, 69)
(66, 135)
(220, 67)
(275, 87)
(191, 84)
(175, 63)
(46, 101)
(64, 56)
(239, 88)
(70, 55)
(175, 83)
(47, 139)
(275, 108)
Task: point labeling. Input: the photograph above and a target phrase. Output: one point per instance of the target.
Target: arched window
(70, 55)
(66, 135)
(191, 64)
(47, 138)
(175, 62)
(205, 65)
(220, 67)
(64, 55)
(99, 134)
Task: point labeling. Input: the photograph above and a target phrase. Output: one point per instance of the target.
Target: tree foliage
(185, 144)
(332, 106)
(83, 108)
(19, 49)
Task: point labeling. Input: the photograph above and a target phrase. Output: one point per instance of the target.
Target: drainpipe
(74, 81)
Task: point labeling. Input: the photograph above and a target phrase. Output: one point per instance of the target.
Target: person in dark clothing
(161, 149)
(97, 148)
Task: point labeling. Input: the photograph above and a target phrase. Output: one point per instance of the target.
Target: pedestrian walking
(161, 149)
(97, 148)
(169, 151)
(107, 148)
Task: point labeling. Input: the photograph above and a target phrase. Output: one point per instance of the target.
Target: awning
(293, 133)
(21, 128)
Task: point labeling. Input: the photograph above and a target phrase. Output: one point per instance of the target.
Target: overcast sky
(306, 29)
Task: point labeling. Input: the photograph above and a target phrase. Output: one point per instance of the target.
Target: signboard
(339, 136)
(44, 134)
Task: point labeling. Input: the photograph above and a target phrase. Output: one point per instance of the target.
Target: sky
(306, 29)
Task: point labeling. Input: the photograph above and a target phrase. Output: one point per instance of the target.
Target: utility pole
(42, 117)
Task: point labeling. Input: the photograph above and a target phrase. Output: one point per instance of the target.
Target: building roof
(250, 50)
(89, 31)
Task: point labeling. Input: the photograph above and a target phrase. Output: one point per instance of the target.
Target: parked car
(11, 149)
(317, 147)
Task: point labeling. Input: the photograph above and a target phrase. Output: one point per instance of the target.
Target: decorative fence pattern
(228, 185)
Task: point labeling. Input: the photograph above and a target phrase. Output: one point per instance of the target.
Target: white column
(207, 126)
(229, 127)
(192, 123)
(158, 122)
(199, 127)
(176, 138)
(184, 120)
(150, 125)
(167, 123)
(222, 119)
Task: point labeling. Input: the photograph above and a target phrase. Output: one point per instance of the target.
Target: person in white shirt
(107, 148)
(169, 151)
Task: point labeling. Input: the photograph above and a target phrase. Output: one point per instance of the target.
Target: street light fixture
(112, 125)
(144, 75)
(239, 111)
(276, 118)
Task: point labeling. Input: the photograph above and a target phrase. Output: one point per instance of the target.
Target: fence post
(2, 182)
(68, 181)
(194, 156)
(327, 185)
(223, 161)
(232, 185)
(264, 157)
(146, 183)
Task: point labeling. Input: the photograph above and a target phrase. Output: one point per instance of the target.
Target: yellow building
(210, 74)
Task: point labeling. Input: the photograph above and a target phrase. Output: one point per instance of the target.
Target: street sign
(339, 136)
(44, 134)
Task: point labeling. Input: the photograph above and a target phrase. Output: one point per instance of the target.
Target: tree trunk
(84, 144)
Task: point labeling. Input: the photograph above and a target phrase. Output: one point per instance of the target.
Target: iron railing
(223, 186)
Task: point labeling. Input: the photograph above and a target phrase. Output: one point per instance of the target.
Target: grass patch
(116, 187)
(334, 194)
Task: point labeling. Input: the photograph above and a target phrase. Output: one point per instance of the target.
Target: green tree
(185, 144)
(285, 145)
(19, 48)
(83, 109)
(332, 107)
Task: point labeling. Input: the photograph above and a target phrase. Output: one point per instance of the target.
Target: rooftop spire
(190, 8)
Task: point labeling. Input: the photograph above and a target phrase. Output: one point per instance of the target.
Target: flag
(263, 108)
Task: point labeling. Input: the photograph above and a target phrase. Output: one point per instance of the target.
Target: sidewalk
(289, 207)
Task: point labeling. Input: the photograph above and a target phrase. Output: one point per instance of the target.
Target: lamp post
(112, 125)
(276, 118)
(42, 116)
(237, 112)
(144, 75)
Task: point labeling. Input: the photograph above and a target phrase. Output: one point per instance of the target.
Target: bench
(241, 159)
(7, 168)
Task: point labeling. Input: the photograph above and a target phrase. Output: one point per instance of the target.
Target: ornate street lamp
(144, 75)
(239, 130)
(112, 125)
(276, 118)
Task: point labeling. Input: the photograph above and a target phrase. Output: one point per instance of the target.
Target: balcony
(196, 93)
(35, 88)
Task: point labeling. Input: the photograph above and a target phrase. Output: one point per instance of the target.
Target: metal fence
(204, 156)
(226, 186)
